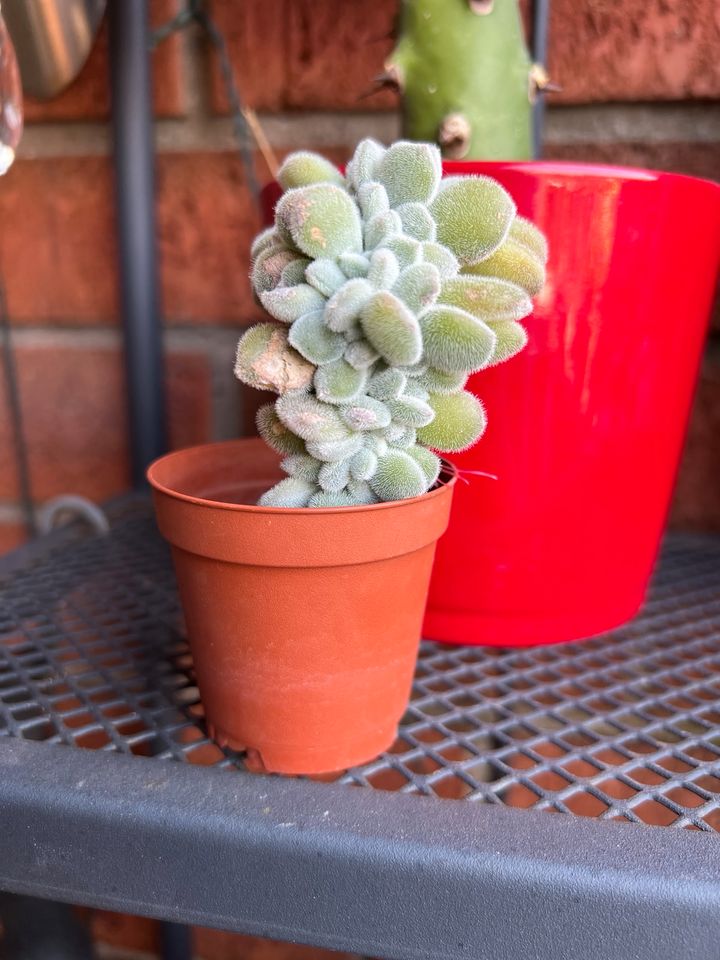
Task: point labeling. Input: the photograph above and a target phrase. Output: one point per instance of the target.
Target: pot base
(290, 759)
(463, 629)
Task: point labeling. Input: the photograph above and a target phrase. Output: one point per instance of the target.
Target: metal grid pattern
(625, 726)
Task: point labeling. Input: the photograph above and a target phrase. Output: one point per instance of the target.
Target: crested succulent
(388, 287)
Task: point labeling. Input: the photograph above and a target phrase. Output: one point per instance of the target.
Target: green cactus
(465, 77)
(389, 287)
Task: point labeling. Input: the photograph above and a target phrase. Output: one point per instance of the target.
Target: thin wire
(16, 419)
(196, 12)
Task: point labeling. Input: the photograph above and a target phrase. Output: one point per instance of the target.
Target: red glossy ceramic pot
(586, 426)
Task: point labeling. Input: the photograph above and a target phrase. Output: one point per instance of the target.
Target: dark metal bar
(34, 929)
(541, 26)
(372, 872)
(175, 941)
(135, 195)
(12, 389)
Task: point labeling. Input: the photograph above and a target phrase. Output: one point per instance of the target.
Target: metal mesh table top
(624, 726)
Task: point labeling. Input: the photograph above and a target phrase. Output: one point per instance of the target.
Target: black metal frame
(132, 124)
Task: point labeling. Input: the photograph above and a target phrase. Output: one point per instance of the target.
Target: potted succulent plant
(303, 558)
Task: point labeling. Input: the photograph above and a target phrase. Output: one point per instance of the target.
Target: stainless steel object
(11, 104)
(52, 39)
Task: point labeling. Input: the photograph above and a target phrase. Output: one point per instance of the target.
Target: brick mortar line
(196, 337)
(197, 132)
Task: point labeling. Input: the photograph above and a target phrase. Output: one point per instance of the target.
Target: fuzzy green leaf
(406, 249)
(314, 341)
(338, 382)
(384, 269)
(287, 304)
(364, 163)
(360, 355)
(275, 433)
(363, 464)
(455, 341)
(440, 381)
(445, 260)
(415, 369)
(429, 463)
(416, 221)
(392, 329)
(486, 298)
(413, 389)
(290, 492)
(346, 304)
(418, 286)
(410, 172)
(399, 436)
(266, 361)
(268, 267)
(372, 199)
(302, 466)
(410, 411)
(269, 237)
(387, 384)
(525, 232)
(333, 477)
(354, 264)
(322, 220)
(380, 228)
(325, 275)
(294, 273)
(514, 262)
(375, 442)
(304, 168)
(330, 450)
(361, 493)
(328, 500)
(473, 216)
(459, 421)
(511, 339)
(398, 477)
(310, 419)
(365, 413)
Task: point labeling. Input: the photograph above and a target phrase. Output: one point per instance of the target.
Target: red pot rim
(448, 478)
(573, 168)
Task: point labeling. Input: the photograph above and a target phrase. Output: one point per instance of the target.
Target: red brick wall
(639, 79)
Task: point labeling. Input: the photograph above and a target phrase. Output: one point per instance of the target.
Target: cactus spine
(382, 309)
(465, 77)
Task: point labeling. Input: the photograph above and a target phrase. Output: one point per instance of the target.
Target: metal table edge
(373, 872)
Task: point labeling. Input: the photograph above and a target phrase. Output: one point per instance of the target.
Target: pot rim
(589, 170)
(448, 478)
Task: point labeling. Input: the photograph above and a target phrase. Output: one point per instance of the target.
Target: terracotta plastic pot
(586, 425)
(304, 624)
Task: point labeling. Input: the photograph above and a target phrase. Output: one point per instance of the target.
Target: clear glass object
(11, 108)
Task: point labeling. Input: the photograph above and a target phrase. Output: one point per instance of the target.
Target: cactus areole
(387, 288)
